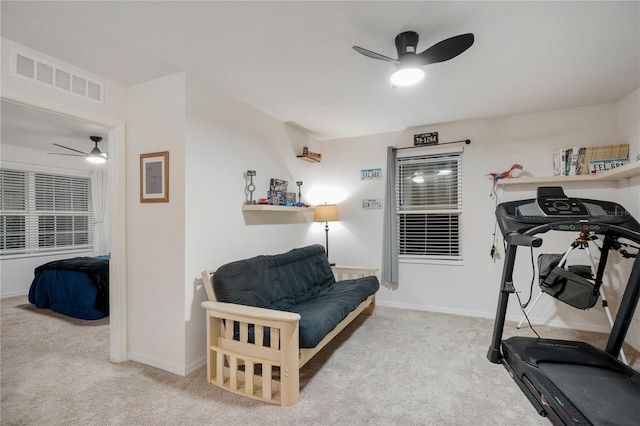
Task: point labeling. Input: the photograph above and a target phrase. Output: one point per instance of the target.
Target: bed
(77, 287)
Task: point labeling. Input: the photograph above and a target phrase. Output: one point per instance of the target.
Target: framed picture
(154, 177)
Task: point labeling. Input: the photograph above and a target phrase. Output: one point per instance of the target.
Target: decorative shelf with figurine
(274, 208)
(309, 159)
(312, 157)
(278, 198)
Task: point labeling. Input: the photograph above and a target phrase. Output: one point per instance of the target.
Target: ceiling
(37, 129)
(294, 60)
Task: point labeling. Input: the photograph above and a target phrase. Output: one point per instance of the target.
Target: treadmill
(570, 382)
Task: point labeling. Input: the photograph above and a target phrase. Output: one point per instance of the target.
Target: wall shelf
(619, 173)
(273, 208)
(309, 159)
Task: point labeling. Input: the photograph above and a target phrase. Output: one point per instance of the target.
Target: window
(429, 205)
(44, 212)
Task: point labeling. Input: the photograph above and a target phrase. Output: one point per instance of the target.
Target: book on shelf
(558, 162)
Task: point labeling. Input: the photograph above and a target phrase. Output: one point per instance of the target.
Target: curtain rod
(466, 141)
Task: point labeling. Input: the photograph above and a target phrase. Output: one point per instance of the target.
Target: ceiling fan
(94, 156)
(409, 63)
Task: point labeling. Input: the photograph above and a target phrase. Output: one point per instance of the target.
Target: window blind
(13, 208)
(44, 212)
(429, 206)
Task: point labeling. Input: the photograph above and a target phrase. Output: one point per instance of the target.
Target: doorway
(115, 130)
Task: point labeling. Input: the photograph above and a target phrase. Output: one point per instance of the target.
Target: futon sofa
(268, 315)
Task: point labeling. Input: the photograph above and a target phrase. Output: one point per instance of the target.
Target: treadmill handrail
(516, 239)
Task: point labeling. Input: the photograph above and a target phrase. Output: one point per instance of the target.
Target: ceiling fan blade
(373, 55)
(70, 155)
(447, 49)
(66, 147)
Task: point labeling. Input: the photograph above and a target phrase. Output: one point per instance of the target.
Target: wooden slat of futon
(266, 380)
(233, 368)
(248, 377)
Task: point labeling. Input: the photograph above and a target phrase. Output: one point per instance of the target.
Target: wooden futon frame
(251, 369)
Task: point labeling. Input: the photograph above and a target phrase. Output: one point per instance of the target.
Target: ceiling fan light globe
(407, 76)
(96, 159)
(96, 156)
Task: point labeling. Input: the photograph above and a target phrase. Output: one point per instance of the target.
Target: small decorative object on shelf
(513, 172)
(299, 183)
(312, 157)
(277, 191)
(289, 199)
(250, 187)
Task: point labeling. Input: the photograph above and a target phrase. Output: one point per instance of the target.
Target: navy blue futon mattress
(299, 281)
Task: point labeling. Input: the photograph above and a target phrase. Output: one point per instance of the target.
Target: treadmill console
(552, 202)
(553, 210)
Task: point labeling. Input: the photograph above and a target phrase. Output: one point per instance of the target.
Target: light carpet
(398, 367)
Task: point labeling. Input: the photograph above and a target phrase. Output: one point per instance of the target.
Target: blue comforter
(78, 287)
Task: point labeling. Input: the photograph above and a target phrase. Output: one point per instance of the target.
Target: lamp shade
(325, 213)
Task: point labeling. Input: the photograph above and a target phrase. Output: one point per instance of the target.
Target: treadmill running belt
(603, 396)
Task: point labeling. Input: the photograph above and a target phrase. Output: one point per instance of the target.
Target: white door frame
(117, 210)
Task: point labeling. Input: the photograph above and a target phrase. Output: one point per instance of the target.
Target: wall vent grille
(29, 67)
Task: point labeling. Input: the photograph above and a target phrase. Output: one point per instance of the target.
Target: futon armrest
(351, 272)
(245, 313)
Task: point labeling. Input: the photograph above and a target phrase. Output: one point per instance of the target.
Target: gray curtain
(389, 227)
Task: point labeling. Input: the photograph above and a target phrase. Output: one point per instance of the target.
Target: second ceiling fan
(94, 156)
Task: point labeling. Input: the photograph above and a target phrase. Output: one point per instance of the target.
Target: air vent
(44, 72)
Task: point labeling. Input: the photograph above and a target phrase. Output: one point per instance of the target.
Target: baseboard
(582, 326)
(514, 317)
(195, 365)
(143, 359)
(14, 294)
(180, 371)
(436, 309)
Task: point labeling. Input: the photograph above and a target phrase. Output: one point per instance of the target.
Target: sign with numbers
(371, 204)
(370, 174)
(425, 139)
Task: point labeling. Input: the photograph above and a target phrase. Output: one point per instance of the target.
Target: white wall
(212, 140)
(155, 231)
(496, 143)
(225, 138)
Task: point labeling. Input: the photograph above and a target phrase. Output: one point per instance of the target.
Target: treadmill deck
(574, 382)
